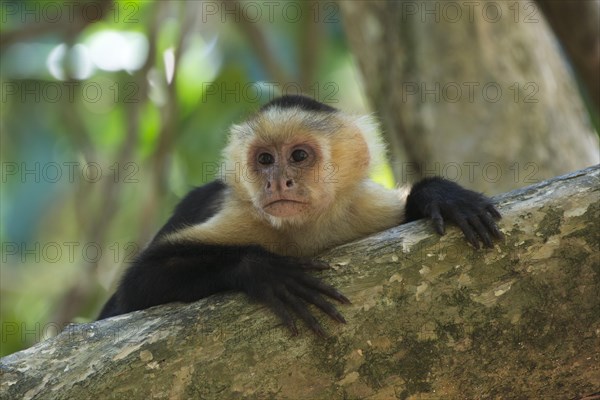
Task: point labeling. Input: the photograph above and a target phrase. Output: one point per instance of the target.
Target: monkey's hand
(441, 200)
(282, 283)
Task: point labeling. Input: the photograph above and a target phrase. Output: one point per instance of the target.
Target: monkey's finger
(300, 308)
(492, 210)
(280, 310)
(491, 225)
(316, 265)
(481, 231)
(468, 231)
(436, 218)
(324, 288)
(317, 300)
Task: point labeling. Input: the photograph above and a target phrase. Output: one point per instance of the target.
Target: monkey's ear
(368, 128)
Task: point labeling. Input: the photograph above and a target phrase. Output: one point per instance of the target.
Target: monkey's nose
(280, 184)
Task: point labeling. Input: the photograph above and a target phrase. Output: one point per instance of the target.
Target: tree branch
(430, 317)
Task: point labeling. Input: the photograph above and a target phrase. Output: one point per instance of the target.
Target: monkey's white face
(295, 163)
(286, 179)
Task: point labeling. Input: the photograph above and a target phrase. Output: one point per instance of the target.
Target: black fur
(196, 207)
(187, 271)
(440, 199)
(303, 102)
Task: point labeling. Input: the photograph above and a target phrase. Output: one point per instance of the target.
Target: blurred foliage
(112, 111)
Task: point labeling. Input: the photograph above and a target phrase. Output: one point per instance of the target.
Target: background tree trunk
(430, 316)
(576, 24)
(478, 92)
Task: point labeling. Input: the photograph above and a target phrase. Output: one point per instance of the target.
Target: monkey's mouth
(283, 201)
(285, 207)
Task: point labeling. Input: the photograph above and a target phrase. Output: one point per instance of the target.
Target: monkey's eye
(265, 159)
(299, 155)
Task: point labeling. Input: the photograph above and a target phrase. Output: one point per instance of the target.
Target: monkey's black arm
(185, 272)
(168, 272)
(440, 199)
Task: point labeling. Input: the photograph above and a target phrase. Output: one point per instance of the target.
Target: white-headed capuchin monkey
(295, 181)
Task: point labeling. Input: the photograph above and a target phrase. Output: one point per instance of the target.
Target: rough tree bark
(430, 317)
(471, 90)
